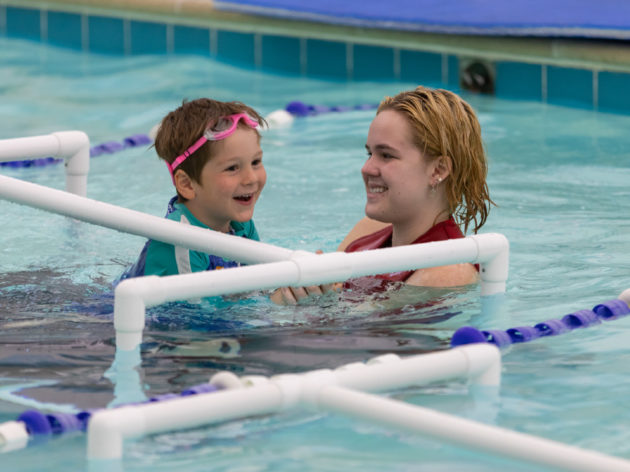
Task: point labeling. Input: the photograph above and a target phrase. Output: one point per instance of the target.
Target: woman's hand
(292, 295)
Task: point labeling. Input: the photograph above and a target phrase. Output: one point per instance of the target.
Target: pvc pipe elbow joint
(484, 363)
(108, 428)
(131, 298)
(494, 252)
(75, 147)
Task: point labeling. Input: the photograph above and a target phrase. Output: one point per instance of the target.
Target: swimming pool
(559, 176)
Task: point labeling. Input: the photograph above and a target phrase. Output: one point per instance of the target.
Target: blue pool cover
(607, 19)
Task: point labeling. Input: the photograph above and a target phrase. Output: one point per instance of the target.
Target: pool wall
(567, 71)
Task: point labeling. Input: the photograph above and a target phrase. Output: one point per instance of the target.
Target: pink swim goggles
(224, 127)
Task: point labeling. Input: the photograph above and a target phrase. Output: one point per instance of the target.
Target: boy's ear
(184, 184)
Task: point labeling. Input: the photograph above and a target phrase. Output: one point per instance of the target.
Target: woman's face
(397, 176)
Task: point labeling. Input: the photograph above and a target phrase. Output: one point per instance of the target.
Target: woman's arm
(444, 276)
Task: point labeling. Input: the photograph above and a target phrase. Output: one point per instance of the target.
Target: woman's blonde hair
(445, 125)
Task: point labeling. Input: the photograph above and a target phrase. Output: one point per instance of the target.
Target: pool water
(559, 177)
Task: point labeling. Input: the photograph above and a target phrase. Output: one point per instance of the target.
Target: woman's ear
(184, 184)
(442, 167)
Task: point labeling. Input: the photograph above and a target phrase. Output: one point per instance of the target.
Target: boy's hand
(292, 295)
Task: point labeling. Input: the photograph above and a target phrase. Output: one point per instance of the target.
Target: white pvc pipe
(108, 428)
(477, 363)
(132, 296)
(138, 223)
(73, 146)
(13, 435)
(328, 391)
(464, 432)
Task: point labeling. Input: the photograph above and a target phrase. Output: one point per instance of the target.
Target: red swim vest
(383, 238)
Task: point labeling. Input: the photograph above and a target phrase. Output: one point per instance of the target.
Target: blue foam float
(609, 310)
(52, 424)
(302, 109)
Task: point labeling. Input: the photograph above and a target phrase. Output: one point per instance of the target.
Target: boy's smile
(231, 181)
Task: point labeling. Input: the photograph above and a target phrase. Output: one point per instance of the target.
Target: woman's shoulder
(445, 276)
(364, 227)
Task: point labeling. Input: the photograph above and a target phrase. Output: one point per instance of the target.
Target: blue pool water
(560, 179)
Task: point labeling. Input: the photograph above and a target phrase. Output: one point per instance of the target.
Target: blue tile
(452, 80)
(569, 86)
(326, 59)
(23, 23)
(373, 62)
(106, 35)
(64, 29)
(189, 39)
(421, 68)
(518, 80)
(235, 47)
(281, 54)
(614, 91)
(148, 37)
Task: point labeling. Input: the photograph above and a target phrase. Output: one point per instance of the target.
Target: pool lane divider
(277, 118)
(606, 311)
(298, 108)
(109, 147)
(34, 424)
(285, 117)
(479, 364)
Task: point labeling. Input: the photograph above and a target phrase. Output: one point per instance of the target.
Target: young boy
(212, 151)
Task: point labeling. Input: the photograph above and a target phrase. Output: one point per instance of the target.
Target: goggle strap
(171, 167)
(200, 142)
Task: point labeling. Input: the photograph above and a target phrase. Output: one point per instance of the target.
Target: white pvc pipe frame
(256, 395)
(336, 391)
(72, 146)
(133, 296)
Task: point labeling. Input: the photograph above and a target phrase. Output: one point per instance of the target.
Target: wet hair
(445, 125)
(183, 126)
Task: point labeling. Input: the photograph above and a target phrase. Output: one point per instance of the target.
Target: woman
(425, 177)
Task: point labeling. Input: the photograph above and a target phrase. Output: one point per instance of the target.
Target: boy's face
(230, 182)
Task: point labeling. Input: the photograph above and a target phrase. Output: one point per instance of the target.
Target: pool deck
(594, 54)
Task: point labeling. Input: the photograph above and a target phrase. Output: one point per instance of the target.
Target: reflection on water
(62, 332)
